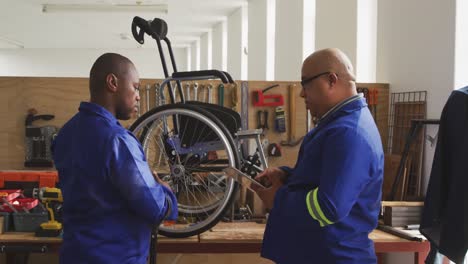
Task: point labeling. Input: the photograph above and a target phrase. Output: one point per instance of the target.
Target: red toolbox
(23, 179)
(19, 205)
(8, 195)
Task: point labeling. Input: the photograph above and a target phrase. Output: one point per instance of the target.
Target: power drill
(50, 197)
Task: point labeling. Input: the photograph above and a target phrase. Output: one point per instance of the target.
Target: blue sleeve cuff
(172, 211)
(288, 170)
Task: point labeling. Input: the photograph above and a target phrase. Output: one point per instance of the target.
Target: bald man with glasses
(323, 209)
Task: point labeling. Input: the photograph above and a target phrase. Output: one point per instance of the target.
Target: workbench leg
(380, 258)
(420, 257)
(17, 258)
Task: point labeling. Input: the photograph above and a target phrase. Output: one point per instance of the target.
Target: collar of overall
(338, 107)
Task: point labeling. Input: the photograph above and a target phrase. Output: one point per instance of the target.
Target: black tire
(185, 115)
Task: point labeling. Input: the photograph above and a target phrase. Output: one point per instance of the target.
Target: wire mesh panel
(377, 99)
(405, 107)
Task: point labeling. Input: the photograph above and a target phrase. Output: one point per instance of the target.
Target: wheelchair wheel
(188, 147)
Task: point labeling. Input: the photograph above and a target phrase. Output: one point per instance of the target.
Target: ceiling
(24, 24)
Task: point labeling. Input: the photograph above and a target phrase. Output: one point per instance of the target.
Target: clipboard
(242, 178)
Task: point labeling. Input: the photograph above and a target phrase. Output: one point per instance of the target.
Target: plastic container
(29, 222)
(6, 221)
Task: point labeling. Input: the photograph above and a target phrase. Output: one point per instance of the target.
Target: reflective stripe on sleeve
(314, 209)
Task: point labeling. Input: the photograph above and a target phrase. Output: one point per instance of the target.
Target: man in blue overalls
(111, 201)
(324, 208)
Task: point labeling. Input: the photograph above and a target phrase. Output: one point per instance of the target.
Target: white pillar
(237, 44)
(219, 52)
(206, 62)
(188, 51)
(294, 37)
(195, 54)
(308, 27)
(415, 48)
(366, 54)
(261, 39)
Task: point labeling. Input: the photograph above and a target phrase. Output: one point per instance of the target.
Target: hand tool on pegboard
(38, 140)
(157, 94)
(210, 93)
(365, 92)
(373, 93)
(274, 150)
(244, 113)
(139, 104)
(148, 87)
(234, 99)
(292, 119)
(195, 91)
(173, 89)
(280, 120)
(201, 89)
(221, 94)
(262, 120)
(187, 91)
(260, 99)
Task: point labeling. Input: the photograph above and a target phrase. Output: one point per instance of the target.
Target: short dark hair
(104, 65)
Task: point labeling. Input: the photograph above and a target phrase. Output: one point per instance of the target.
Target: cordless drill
(50, 197)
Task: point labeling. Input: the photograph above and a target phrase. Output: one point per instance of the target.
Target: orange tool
(373, 93)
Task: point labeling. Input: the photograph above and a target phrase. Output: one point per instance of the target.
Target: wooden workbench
(239, 237)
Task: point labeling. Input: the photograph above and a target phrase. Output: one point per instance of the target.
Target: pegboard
(61, 97)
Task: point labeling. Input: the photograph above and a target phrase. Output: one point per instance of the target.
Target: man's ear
(111, 82)
(332, 79)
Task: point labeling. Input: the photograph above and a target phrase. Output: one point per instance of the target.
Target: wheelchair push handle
(229, 77)
(139, 22)
(156, 28)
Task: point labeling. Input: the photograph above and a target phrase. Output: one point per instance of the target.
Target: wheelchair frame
(157, 29)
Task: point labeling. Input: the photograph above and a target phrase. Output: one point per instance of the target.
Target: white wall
(237, 41)
(415, 52)
(415, 48)
(3, 64)
(289, 39)
(78, 62)
(337, 27)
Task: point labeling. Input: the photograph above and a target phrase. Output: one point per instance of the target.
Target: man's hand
(272, 179)
(158, 180)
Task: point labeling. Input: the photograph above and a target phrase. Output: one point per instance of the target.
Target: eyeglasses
(305, 81)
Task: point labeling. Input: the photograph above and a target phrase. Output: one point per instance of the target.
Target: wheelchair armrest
(205, 73)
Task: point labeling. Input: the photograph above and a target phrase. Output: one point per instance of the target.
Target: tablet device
(242, 178)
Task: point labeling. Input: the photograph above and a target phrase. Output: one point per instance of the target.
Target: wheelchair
(189, 143)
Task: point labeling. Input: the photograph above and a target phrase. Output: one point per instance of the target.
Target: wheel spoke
(192, 158)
